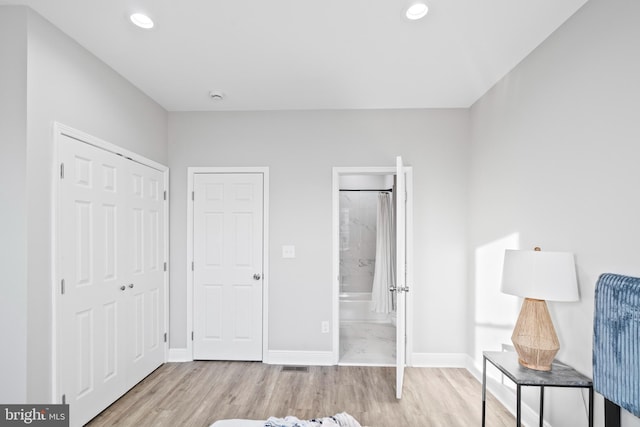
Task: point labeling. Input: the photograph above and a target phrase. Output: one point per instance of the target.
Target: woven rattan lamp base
(534, 336)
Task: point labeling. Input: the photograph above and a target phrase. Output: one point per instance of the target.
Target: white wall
(13, 204)
(301, 148)
(52, 78)
(555, 149)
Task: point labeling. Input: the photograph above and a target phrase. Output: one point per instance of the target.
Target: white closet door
(91, 312)
(110, 331)
(227, 289)
(143, 266)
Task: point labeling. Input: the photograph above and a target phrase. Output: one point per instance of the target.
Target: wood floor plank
(200, 393)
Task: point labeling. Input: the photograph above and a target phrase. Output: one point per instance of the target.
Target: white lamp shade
(540, 275)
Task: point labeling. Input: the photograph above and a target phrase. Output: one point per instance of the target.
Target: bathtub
(356, 307)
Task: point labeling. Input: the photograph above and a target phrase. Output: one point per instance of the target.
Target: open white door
(400, 285)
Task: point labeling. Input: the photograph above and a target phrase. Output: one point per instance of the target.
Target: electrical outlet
(288, 251)
(324, 327)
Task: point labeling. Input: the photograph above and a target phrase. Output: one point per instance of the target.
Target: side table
(560, 375)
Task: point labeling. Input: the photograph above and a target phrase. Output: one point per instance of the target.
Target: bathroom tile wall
(358, 215)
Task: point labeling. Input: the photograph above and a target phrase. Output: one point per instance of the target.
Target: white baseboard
(304, 358)
(179, 355)
(273, 357)
(440, 360)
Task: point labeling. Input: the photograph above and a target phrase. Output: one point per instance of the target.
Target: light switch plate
(288, 251)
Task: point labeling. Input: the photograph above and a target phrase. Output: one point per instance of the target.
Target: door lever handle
(257, 276)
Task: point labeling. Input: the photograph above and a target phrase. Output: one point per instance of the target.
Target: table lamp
(538, 276)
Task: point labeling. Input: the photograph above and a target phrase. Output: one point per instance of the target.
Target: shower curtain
(384, 271)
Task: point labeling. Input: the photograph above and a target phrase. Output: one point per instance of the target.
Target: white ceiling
(303, 54)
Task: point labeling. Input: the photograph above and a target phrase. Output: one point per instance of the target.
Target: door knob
(257, 276)
(131, 285)
(123, 287)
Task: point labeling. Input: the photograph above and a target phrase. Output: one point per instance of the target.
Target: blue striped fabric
(616, 340)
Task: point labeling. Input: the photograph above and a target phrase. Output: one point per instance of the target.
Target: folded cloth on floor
(338, 420)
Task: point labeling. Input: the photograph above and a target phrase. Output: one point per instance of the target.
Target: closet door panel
(145, 269)
(90, 307)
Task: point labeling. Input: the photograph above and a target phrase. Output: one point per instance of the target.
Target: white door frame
(60, 130)
(382, 170)
(191, 171)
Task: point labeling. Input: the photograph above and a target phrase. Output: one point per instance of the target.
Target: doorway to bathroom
(364, 255)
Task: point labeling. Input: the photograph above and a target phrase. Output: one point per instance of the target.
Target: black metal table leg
(541, 423)
(590, 406)
(484, 389)
(518, 405)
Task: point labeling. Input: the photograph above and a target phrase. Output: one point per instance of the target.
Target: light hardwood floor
(199, 393)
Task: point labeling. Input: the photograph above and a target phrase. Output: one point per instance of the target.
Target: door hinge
(165, 194)
(193, 196)
(191, 335)
(165, 266)
(61, 170)
(64, 399)
(62, 286)
(165, 337)
(192, 266)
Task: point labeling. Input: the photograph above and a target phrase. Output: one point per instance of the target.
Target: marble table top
(560, 375)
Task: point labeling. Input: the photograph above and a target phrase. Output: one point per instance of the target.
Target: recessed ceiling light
(141, 20)
(417, 10)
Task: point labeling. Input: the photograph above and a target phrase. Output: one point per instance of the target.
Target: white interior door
(227, 270)
(110, 309)
(401, 285)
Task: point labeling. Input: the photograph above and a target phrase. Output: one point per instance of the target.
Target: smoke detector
(216, 95)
